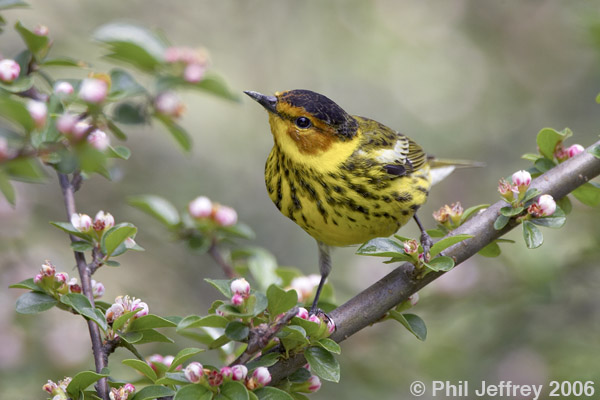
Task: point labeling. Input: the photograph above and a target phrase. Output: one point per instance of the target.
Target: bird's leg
(325, 269)
(426, 241)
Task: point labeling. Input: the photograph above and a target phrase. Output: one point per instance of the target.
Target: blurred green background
(466, 79)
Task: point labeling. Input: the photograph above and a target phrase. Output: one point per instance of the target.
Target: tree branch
(215, 253)
(373, 303)
(85, 276)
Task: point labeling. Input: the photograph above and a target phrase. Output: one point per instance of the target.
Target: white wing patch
(398, 153)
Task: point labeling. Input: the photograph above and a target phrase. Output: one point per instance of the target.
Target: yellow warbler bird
(344, 179)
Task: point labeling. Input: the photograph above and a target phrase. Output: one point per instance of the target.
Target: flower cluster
(196, 373)
(124, 304)
(449, 216)
(192, 62)
(122, 393)
(203, 209)
(563, 154)
(58, 283)
(102, 222)
(519, 195)
(57, 390)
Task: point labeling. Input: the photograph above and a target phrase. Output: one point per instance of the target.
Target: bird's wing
(398, 154)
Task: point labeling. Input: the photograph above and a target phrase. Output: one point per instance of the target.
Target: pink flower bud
(38, 278)
(522, 179)
(330, 326)
(172, 54)
(314, 318)
(560, 153)
(237, 300)
(414, 299)
(114, 312)
(227, 372)
(41, 30)
(262, 376)
(81, 129)
(121, 393)
(97, 289)
(129, 387)
(241, 287)
(48, 269)
(314, 383)
(9, 70)
(63, 88)
(99, 140)
(103, 221)
(225, 216)
(143, 307)
(74, 286)
(575, 149)
(194, 73)
(193, 372)
(61, 277)
(81, 222)
(5, 152)
(411, 246)
(543, 207)
(155, 359)
(38, 111)
(302, 313)
(168, 103)
(239, 372)
(93, 90)
(66, 123)
(507, 191)
(200, 207)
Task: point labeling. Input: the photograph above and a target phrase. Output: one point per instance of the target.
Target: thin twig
(260, 336)
(86, 285)
(373, 303)
(218, 257)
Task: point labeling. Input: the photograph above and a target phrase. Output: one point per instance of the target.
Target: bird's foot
(426, 244)
(322, 314)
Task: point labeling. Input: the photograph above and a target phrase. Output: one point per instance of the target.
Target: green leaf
(533, 236)
(595, 151)
(271, 393)
(142, 367)
(150, 321)
(543, 164)
(81, 246)
(491, 250)
(531, 157)
(116, 130)
(240, 230)
(26, 284)
(193, 392)
(265, 360)
(19, 85)
(472, 211)
(146, 336)
(412, 322)
(119, 322)
(442, 263)
(556, 220)
(548, 138)
(179, 134)
(261, 263)
(381, 247)
(25, 169)
(123, 84)
(82, 305)
(300, 375)
(16, 112)
(501, 222)
(81, 381)
(588, 194)
(209, 321)
(330, 345)
(7, 188)
(129, 113)
(530, 194)
(222, 285)
(62, 62)
(132, 44)
(237, 331)
(37, 44)
(157, 207)
(7, 4)
(443, 244)
(153, 392)
(511, 211)
(565, 205)
(183, 356)
(172, 378)
(280, 300)
(219, 342)
(121, 152)
(67, 227)
(323, 363)
(34, 302)
(112, 238)
(234, 391)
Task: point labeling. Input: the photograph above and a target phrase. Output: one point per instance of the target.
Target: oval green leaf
(323, 363)
(532, 235)
(34, 302)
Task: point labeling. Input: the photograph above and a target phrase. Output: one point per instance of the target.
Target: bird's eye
(303, 122)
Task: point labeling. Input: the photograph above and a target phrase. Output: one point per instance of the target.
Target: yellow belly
(346, 207)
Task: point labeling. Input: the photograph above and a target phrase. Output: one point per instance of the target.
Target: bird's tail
(441, 168)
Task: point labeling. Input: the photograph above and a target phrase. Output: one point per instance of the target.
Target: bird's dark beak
(268, 102)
